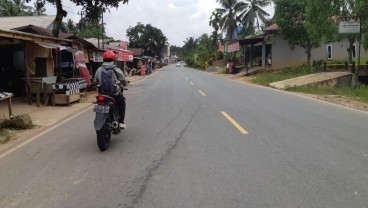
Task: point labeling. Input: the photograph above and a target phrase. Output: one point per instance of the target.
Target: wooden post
(10, 107)
(27, 84)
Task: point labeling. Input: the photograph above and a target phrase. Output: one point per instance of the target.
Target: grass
(4, 136)
(267, 77)
(360, 93)
(221, 71)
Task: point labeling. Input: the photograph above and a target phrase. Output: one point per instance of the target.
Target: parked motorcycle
(106, 121)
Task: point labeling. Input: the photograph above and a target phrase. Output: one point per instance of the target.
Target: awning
(49, 45)
(125, 55)
(251, 41)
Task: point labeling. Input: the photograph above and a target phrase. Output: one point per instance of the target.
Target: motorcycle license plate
(101, 109)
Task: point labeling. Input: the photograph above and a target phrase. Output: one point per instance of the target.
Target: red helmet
(109, 55)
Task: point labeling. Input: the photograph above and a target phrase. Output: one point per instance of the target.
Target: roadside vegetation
(358, 93)
(267, 77)
(23, 121)
(4, 136)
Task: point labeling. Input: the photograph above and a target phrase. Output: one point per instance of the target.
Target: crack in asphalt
(154, 167)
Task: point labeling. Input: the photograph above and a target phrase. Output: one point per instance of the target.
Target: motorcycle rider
(108, 76)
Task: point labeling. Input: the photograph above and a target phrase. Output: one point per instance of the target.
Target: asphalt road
(197, 140)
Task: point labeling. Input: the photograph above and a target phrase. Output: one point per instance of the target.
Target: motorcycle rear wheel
(103, 138)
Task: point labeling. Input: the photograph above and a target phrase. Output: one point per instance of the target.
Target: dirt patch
(336, 99)
(340, 100)
(10, 137)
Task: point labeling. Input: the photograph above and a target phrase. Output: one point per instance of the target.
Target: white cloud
(172, 6)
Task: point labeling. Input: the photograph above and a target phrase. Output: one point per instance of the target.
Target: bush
(221, 71)
(18, 122)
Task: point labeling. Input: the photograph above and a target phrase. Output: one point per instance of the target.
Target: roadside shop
(27, 63)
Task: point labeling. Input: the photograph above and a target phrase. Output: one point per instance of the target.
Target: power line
(115, 28)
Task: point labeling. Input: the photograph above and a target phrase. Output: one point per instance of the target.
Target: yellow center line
(202, 93)
(232, 121)
(191, 83)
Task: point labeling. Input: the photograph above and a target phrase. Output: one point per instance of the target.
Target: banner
(233, 47)
(125, 55)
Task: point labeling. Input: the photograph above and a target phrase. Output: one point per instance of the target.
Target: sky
(177, 19)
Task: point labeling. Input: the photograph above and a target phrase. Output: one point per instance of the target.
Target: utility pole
(81, 20)
(360, 40)
(102, 31)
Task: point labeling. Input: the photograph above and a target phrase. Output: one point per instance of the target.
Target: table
(7, 96)
(40, 85)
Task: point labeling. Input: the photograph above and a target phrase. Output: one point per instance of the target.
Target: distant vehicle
(178, 64)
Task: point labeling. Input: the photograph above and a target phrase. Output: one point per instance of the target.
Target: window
(329, 51)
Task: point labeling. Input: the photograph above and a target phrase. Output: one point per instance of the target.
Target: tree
(147, 37)
(254, 14)
(230, 15)
(39, 8)
(176, 50)
(71, 27)
(91, 29)
(93, 9)
(352, 8)
(291, 16)
(189, 44)
(215, 23)
(10, 8)
(326, 16)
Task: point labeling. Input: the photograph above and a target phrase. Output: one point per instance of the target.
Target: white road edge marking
(42, 133)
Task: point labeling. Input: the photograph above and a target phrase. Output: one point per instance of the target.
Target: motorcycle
(107, 120)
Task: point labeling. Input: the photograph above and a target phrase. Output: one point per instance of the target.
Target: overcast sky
(178, 19)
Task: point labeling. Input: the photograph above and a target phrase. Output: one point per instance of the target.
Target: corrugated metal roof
(95, 42)
(8, 23)
(31, 37)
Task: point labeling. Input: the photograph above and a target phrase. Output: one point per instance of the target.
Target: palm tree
(10, 8)
(230, 15)
(39, 8)
(254, 14)
(215, 20)
(7, 8)
(215, 23)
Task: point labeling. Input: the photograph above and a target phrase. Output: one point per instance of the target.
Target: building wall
(34, 51)
(283, 56)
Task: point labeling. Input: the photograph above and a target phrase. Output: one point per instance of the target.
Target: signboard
(124, 45)
(233, 47)
(98, 56)
(125, 55)
(349, 27)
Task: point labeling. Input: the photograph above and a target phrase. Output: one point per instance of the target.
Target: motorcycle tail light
(100, 98)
